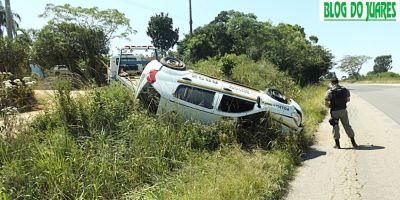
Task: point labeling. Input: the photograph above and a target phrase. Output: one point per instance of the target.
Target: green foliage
(78, 47)
(227, 33)
(79, 38)
(161, 31)
(352, 64)
(284, 45)
(292, 52)
(383, 63)
(13, 56)
(313, 39)
(26, 37)
(108, 21)
(227, 66)
(329, 76)
(259, 75)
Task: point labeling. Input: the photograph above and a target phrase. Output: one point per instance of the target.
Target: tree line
(353, 64)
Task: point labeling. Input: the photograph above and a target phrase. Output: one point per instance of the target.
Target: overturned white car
(166, 86)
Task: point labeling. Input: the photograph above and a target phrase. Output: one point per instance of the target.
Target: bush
(13, 56)
(227, 66)
(15, 92)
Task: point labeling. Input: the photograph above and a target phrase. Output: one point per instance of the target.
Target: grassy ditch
(104, 146)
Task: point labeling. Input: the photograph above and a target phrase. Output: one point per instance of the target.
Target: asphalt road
(384, 97)
(369, 172)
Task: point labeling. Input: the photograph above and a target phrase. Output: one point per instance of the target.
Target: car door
(195, 103)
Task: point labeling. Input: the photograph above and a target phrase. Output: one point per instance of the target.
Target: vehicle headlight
(297, 118)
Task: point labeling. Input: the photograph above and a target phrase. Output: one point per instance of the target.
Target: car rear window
(235, 105)
(196, 96)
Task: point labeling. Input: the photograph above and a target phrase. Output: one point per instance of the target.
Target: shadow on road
(366, 147)
(312, 153)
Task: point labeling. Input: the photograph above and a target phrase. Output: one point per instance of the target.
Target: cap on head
(335, 80)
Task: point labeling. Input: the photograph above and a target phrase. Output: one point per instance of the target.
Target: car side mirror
(259, 102)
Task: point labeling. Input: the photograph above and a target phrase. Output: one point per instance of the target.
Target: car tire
(277, 95)
(173, 63)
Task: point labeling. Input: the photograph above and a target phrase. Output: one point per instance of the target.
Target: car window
(235, 105)
(200, 97)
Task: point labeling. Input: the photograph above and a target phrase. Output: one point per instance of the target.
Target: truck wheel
(173, 63)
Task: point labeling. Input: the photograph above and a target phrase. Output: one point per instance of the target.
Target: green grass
(311, 101)
(229, 173)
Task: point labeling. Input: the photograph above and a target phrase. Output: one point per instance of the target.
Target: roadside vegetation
(103, 145)
(380, 74)
(371, 77)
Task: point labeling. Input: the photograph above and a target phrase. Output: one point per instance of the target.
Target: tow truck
(130, 62)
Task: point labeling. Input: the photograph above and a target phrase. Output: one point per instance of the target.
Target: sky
(341, 38)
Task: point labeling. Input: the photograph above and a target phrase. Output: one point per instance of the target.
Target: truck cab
(130, 61)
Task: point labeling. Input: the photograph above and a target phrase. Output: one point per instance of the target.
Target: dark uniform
(338, 97)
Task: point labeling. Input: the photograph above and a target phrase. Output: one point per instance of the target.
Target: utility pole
(190, 15)
(9, 19)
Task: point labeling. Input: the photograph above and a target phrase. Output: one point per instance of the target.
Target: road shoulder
(329, 173)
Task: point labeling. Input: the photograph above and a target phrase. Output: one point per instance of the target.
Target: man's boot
(353, 142)
(337, 144)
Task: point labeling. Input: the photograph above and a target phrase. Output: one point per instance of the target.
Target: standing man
(336, 99)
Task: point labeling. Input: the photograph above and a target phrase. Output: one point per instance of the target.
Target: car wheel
(173, 63)
(277, 95)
